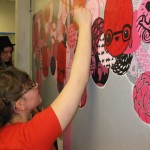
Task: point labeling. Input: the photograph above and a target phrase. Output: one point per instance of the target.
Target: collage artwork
(120, 43)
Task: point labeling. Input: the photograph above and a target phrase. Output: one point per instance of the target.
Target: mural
(120, 43)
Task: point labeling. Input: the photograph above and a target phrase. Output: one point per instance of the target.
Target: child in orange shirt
(19, 96)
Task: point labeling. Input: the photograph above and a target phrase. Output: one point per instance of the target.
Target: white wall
(23, 35)
(23, 28)
(7, 16)
(15, 17)
(109, 121)
(37, 5)
(7, 21)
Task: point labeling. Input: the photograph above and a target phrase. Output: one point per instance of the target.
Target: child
(19, 96)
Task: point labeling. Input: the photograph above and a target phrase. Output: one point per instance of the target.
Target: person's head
(18, 93)
(6, 49)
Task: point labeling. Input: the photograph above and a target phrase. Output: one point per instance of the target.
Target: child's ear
(20, 104)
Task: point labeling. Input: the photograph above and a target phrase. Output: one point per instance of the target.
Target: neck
(20, 118)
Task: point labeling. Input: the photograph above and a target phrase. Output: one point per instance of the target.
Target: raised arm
(68, 100)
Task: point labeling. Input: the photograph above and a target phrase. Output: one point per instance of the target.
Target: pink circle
(141, 97)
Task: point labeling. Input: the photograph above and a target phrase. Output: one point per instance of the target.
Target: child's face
(32, 98)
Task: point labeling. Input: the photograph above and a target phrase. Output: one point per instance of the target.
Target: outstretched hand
(82, 17)
(79, 75)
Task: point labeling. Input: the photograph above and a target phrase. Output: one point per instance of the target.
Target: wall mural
(120, 42)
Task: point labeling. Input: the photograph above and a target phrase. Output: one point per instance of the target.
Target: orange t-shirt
(37, 134)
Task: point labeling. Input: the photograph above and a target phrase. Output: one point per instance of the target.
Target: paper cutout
(98, 71)
(118, 26)
(141, 94)
(143, 57)
(143, 21)
(61, 66)
(122, 64)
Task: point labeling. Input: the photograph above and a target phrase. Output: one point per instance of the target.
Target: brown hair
(12, 84)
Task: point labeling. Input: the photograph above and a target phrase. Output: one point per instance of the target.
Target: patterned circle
(141, 97)
(143, 21)
(143, 57)
(122, 64)
(97, 31)
(105, 58)
(71, 37)
(61, 63)
(45, 62)
(99, 72)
